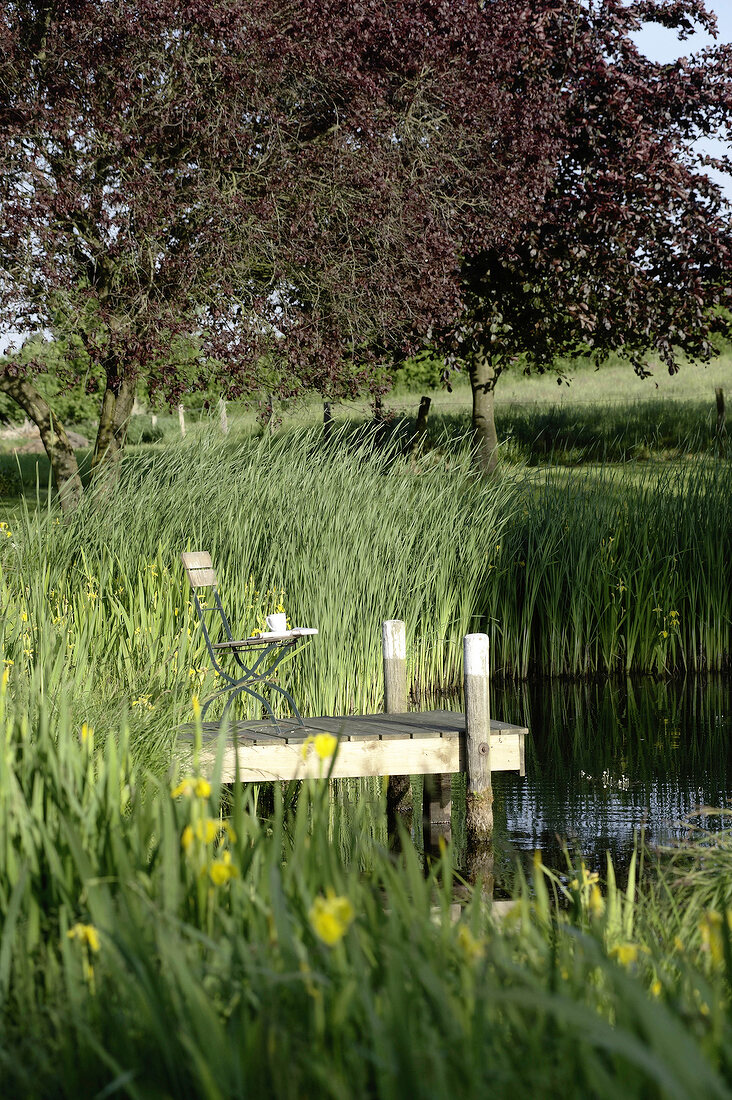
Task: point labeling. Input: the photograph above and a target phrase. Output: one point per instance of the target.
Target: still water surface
(605, 759)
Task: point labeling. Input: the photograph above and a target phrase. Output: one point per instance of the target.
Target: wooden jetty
(430, 743)
(396, 743)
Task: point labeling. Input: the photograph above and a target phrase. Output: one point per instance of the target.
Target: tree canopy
(301, 179)
(632, 251)
(324, 185)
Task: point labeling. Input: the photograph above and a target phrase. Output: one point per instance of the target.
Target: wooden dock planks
(431, 742)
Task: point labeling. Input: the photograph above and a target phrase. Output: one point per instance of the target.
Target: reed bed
(610, 570)
(571, 573)
(160, 940)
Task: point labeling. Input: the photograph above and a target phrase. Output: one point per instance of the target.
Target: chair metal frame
(259, 671)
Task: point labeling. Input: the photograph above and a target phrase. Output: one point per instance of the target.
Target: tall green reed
(576, 574)
(346, 537)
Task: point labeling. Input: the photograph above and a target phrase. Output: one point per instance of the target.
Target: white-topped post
(394, 647)
(394, 640)
(477, 737)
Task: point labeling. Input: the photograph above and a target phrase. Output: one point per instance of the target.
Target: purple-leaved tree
(300, 181)
(632, 251)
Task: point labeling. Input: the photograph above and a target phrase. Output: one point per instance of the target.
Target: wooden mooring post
(479, 817)
(394, 649)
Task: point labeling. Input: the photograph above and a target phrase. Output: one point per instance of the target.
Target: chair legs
(236, 687)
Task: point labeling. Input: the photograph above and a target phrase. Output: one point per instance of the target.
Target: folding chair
(251, 655)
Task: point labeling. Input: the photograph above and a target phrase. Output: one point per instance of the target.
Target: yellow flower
(597, 905)
(625, 953)
(473, 948)
(330, 917)
(87, 733)
(86, 934)
(205, 830)
(712, 934)
(191, 786)
(196, 704)
(4, 680)
(656, 988)
(589, 878)
(325, 744)
(221, 870)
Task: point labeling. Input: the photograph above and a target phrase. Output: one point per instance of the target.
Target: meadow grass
(189, 945)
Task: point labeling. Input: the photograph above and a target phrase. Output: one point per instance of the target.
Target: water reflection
(604, 759)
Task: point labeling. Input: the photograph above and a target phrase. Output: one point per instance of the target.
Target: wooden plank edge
(358, 759)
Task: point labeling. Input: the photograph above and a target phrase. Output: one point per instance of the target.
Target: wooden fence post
(182, 420)
(223, 418)
(420, 431)
(327, 421)
(721, 425)
(394, 645)
(479, 817)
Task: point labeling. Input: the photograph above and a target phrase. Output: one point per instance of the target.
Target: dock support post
(477, 738)
(394, 645)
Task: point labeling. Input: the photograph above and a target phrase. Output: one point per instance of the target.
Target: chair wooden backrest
(199, 570)
(201, 574)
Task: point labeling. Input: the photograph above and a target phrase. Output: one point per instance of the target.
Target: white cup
(277, 624)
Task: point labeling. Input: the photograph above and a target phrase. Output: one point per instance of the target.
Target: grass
(592, 572)
(131, 964)
(154, 945)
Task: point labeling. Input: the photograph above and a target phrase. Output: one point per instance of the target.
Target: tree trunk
(53, 436)
(119, 397)
(483, 378)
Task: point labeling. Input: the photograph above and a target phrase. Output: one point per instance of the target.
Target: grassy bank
(159, 939)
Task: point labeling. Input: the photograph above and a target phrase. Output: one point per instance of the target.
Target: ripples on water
(604, 759)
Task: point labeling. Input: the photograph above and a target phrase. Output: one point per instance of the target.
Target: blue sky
(662, 45)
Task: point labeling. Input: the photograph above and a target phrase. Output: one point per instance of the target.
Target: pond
(607, 758)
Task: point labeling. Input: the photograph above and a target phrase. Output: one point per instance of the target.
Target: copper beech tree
(632, 251)
(297, 181)
(324, 186)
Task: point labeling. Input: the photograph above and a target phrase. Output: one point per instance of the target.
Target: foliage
(632, 250)
(63, 374)
(577, 574)
(162, 939)
(424, 371)
(298, 178)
